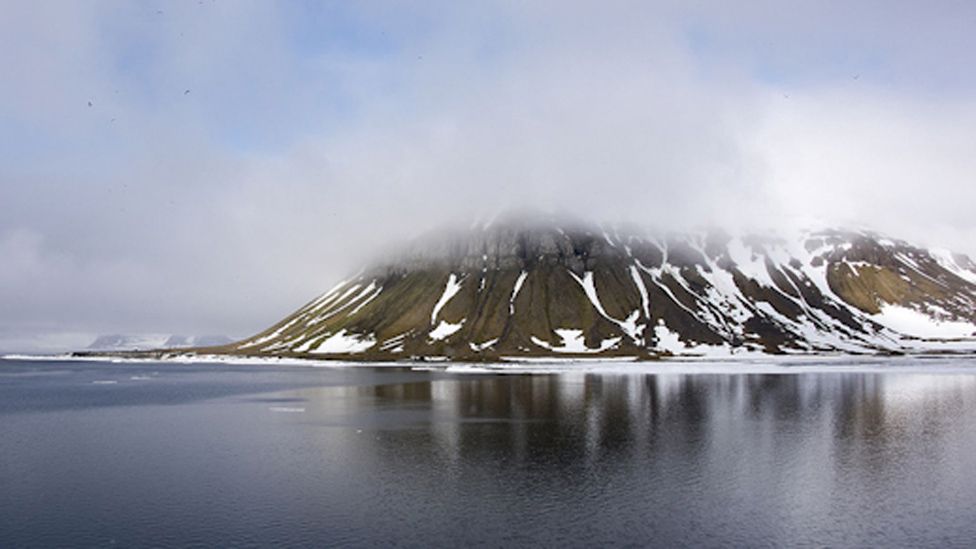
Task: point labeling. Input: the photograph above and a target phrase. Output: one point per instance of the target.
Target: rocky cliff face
(542, 289)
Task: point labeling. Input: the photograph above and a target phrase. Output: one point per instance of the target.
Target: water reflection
(779, 453)
(605, 414)
(592, 417)
(205, 456)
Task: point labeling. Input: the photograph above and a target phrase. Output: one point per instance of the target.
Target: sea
(833, 453)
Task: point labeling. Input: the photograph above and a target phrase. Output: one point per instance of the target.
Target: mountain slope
(539, 289)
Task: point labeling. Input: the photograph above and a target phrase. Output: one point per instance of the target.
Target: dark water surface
(216, 455)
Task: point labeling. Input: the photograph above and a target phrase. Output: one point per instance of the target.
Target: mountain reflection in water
(369, 456)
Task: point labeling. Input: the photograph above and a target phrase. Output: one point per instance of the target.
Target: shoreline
(921, 363)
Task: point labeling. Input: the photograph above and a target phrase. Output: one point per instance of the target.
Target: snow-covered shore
(754, 364)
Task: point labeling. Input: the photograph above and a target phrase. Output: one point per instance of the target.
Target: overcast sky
(237, 158)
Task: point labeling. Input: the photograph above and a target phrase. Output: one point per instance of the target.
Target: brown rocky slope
(523, 289)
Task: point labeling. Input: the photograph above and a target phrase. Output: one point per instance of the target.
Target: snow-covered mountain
(129, 342)
(531, 289)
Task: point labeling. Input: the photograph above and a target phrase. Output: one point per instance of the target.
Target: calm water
(216, 455)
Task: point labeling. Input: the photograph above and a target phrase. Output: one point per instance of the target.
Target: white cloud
(901, 165)
(288, 161)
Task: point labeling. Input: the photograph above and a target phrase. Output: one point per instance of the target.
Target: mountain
(528, 289)
(128, 342)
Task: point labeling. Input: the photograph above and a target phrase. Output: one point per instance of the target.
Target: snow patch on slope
(639, 282)
(947, 260)
(750, 263)
(629, 326)
(574, 342)
(669, 341)
(330, 311)
(395, 343)
(515, 291)
(478, 347)
(452, 288)
(372, 286)
(918, 324)
(340, 342)
(444, 330)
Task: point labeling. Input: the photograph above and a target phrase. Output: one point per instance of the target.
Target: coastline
(918, 363)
